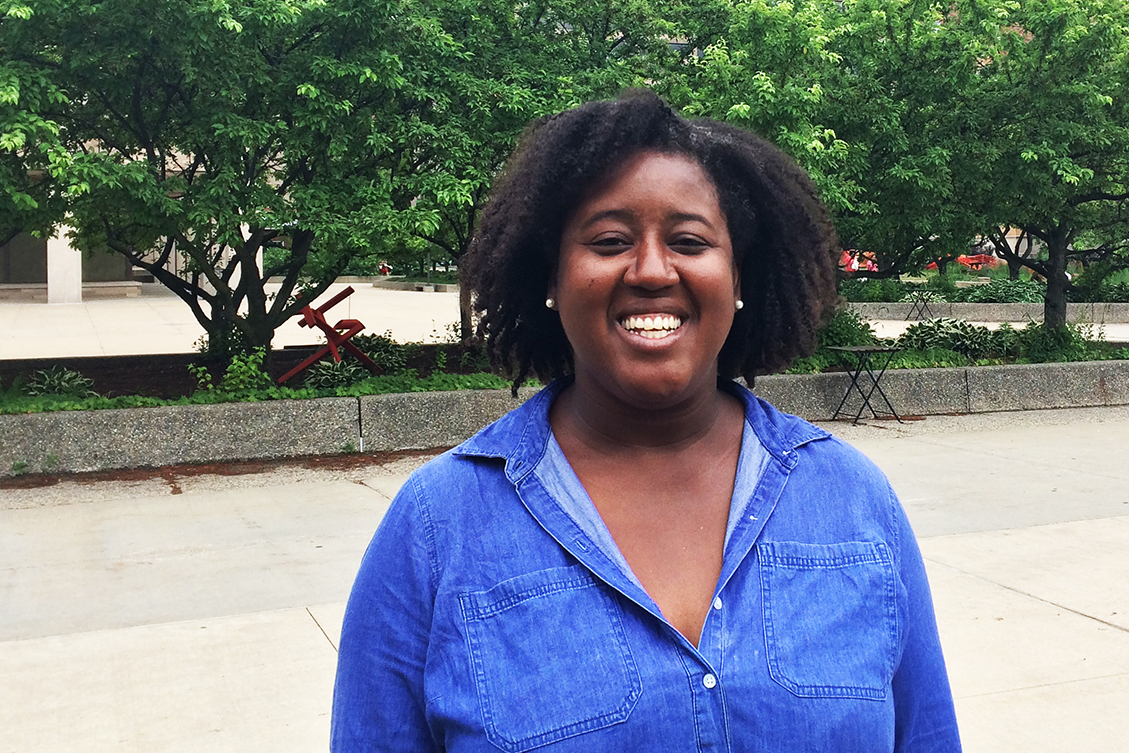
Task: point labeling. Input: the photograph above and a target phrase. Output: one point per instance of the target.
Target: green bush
(385, 352)
(863, 290)
(1040, 344)
(14, 401)
(1005, 341)
(1003, 291)
(60, 382)
(328, 374)
(947, 333)
(244, 373)
(1100, 283)
(944, 285)
(844, 328)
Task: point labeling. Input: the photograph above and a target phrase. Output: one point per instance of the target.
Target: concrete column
(64, 270)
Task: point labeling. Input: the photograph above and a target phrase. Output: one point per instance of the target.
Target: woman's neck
(603, 422)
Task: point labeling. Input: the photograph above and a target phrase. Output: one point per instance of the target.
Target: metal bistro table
(863, 357)
(920, 309)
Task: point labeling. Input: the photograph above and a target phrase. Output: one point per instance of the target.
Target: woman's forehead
(675, 180)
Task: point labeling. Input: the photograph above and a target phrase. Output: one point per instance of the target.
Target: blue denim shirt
(493, 612)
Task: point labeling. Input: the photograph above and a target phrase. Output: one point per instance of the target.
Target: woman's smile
(652, 326)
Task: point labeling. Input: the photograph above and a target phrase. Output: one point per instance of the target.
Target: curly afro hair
(783, 240)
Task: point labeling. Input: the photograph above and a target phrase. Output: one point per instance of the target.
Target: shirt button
(717, 602)
(709, 681)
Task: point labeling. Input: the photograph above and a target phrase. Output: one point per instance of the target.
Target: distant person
(645, 556)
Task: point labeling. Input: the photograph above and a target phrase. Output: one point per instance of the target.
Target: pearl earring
(739, 304)
(550, 303)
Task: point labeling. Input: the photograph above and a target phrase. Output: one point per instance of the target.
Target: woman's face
(646, 283)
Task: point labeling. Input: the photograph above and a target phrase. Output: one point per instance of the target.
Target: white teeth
(652, 327)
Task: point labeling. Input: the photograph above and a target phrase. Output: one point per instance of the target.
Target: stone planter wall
(75, 441)
(1078, 313)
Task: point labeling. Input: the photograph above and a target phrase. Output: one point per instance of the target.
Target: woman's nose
(651, 267)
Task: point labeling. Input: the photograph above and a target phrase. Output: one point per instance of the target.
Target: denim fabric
(492, 612)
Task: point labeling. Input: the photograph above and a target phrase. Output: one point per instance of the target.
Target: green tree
(518, 62)
(1052, 94)
(766, 71)
(899, 97)
(29, 200)
(211, 128)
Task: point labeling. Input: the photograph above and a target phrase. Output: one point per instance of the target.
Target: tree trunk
(1054, 304)
(1013, 267)
(466, 329)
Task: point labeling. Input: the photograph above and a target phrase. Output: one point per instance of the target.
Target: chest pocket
(550, 658)
(830, 617)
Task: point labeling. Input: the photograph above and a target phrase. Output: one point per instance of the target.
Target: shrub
(1004, 291)
(385, 352)
(864, 290)
(1101, 282)
(951, 334)
(328, 374)
(943, 285)
(1114, 292)
(59, 381)
(845, 327)
(1005, 341)
(1040, 344)
(244, 373)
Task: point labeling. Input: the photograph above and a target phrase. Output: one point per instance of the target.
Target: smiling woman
(645, 556)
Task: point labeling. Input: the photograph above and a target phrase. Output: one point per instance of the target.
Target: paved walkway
(159, 322)
(201, 613)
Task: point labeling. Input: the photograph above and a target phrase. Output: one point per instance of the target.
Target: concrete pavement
(160, 322)
(194, 612)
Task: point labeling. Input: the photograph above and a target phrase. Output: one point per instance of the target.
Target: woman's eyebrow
(691, 217)
(608, 214)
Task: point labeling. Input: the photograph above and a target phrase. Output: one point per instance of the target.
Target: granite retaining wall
(75, 441)
(1077, 313)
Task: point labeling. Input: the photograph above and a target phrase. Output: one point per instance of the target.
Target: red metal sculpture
(336, 336)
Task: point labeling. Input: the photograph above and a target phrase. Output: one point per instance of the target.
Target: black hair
(783, 240)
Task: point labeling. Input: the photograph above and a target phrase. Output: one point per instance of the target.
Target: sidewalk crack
(315, 619)
(1021, 592)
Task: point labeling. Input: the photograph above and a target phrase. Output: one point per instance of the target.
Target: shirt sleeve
(925, 720)
(378, 697)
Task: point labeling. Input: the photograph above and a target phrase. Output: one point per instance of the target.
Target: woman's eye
(610, 243)
(688, 244)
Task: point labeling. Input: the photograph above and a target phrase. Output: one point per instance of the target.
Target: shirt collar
(522, 435)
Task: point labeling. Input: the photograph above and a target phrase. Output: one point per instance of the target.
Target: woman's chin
(660, 389)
